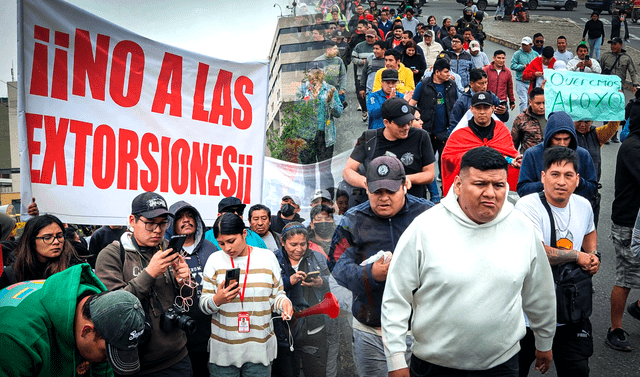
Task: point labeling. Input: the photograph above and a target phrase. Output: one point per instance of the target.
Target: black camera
(175, 317)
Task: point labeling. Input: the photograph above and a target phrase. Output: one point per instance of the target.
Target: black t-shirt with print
(415, 152)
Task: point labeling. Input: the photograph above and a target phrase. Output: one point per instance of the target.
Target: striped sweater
(264, 294)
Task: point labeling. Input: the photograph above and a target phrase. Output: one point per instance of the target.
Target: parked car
(556, 4)
(600, 5)
(481, 4)
(532, 4)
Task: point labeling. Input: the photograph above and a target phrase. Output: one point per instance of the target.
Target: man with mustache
(187, 221)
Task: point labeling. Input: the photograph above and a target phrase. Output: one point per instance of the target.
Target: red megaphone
(329, 306)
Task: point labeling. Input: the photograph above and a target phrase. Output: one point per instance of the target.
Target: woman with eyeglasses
(42, 251)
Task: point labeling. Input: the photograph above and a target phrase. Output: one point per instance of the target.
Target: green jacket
(36, 336)
(519, 62)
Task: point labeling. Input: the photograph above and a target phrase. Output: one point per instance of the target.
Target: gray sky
(235, 30)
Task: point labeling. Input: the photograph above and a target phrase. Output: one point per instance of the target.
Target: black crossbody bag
(574, 288)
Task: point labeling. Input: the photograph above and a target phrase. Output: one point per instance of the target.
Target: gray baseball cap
(118, 316)
(385, 172)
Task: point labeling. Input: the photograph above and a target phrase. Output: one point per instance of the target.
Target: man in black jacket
(435, 97)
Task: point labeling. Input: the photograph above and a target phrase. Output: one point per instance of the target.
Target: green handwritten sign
(584, 96)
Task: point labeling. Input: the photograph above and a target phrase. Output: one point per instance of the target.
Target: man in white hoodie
(467, 291)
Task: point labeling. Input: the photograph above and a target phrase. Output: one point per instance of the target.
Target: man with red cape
(481, 130)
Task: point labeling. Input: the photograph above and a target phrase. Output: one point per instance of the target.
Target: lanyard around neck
(246, 273)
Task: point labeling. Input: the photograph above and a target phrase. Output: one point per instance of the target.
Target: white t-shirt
(573, 222)
(189, 249)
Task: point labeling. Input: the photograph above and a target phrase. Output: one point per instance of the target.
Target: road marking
(604, 21)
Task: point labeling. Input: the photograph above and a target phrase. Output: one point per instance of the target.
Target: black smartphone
(503, 103)
(231, 275)
(587, 57)
(176, 242)
(311, 275)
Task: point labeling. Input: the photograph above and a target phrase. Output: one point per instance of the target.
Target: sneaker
(365, 116)
(634, 310)
(359, 108)
(617, 341)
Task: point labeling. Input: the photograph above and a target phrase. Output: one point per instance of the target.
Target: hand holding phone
(232, 275)
(311, 276)
(176, 242)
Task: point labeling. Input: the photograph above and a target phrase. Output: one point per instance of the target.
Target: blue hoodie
(533, 160)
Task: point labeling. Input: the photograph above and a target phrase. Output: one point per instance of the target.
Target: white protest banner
(584, 96)
(105, 114)
(285, 178)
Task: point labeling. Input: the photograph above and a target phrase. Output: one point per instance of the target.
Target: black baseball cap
(231, 204)
(615, 40)
(389, 75)
(397, 110)
(385, 172)
(337, 34)
(149, 205)
(482, 98)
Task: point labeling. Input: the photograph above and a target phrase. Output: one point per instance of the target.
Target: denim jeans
(247, 370)
(594, 47)
(369, 354)
(522, 89)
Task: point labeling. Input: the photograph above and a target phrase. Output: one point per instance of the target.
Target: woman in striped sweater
(242, 338)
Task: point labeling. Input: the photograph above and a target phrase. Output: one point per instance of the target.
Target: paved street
(605, 362)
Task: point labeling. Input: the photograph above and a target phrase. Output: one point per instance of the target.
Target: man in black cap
(142, 263)
(618, 63)
(235, 205)
(397, 138)
(376, 99)
(69, 326)
(369, 233)
(343, 47)
(481, 130)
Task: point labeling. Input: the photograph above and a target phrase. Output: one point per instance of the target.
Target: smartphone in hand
(231, 275)
(311, 275)
(176, 242)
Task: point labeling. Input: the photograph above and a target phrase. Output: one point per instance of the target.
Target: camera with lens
(175, 317)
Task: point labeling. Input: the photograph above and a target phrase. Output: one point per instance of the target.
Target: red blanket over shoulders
(463, 139)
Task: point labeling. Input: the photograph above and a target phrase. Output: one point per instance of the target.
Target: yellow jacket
(405, 80)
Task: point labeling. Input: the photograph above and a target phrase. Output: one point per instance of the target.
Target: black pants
(438, 146)
(287, 363)
(572, 347)
(199, 362)
(181, 368)
(421, 368)
(361, 101)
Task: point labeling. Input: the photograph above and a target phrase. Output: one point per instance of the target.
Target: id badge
(243, 322)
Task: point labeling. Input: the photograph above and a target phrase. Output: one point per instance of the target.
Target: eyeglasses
(150, 226)
(48, 239)
(538, 41)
